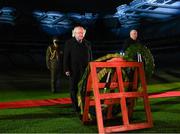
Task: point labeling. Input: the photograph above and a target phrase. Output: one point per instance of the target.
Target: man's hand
(67, 73)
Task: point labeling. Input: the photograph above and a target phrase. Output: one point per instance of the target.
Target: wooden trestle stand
(121, 97)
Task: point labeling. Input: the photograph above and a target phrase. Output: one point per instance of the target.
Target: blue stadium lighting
(57, 23)
(155, 10)
(85, 19)
(8, 15)
(53, 22)
(127, 16)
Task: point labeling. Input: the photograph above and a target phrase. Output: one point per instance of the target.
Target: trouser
(73, 92)
(74, 80)
(54, 76)
(130, 75)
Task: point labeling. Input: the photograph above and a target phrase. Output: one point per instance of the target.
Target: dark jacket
(76, 55)
(129, 42)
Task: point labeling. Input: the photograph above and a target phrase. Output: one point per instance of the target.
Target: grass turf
(58, 119)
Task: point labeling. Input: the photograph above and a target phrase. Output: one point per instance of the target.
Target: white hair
(133, 30)
(75, 29)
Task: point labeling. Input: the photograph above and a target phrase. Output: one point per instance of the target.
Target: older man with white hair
(77, 54)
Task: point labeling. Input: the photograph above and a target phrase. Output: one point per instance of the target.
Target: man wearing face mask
(77, 54)
(52, 62)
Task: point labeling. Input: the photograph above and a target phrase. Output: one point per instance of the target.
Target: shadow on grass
(45, 112)
(166, 105)
(160, 127)
(38, 116)
(165, 90)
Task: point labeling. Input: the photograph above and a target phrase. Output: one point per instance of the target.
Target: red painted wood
(120, 97)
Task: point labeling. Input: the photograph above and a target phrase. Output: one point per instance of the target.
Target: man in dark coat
(77, 54)
(133, 39)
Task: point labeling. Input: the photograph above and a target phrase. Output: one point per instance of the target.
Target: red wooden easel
(121, 97)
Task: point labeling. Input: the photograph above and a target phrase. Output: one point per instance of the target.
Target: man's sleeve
(47, 57)
(66, 57)
(89, 50)
(90, 53)
(125, 45)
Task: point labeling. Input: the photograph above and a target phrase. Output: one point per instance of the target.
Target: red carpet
(34, 103)
(165, 94)
(49, 102)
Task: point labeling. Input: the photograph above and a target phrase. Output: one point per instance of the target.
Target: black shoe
(79, 115)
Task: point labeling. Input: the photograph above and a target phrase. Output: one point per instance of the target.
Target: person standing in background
(52, 62)
(77, 54)
(133, 39)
